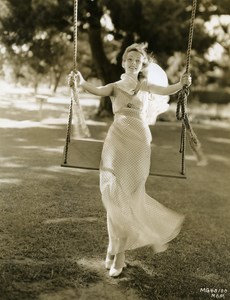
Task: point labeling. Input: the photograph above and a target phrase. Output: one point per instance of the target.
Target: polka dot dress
(134, 219)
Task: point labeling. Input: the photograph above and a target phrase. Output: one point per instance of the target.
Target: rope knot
(182, 103)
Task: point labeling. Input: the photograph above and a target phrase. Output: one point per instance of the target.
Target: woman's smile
(133, 62)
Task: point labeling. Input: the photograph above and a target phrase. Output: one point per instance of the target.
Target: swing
(85, 153)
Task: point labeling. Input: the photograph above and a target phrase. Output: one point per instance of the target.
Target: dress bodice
(137, 100)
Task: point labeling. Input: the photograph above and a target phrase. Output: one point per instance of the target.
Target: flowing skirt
(134, 219)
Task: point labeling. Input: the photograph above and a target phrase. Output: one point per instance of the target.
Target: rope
(182, 148)
(81, 124)
(68, 132)
(190, 37)
(75, 35)
(181, 110)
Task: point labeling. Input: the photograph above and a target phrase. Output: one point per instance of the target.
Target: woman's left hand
(186, 79)
(71, 78)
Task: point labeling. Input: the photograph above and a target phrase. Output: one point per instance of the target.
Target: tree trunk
(57, 77)
(106, 71)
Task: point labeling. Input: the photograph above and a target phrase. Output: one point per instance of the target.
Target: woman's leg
(119, 260)
(109, 260)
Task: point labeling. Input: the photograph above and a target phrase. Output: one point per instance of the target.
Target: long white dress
(134, 219)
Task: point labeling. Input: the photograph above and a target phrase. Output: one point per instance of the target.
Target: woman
(134, 219)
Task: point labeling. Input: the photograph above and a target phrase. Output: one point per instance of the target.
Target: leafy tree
(46, 28)
(220, 64)
(164, 24)
(41, 50)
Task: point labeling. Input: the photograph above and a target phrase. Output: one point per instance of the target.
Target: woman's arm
(99, 91)
(170, 89)
(102, 91)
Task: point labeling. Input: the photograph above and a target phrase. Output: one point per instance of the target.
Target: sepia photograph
(114, 149)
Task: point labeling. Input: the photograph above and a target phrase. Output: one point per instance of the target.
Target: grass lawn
(53, 224)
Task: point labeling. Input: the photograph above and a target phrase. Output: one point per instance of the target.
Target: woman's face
(133, 63)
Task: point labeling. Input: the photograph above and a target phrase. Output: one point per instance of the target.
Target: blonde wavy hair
(142, 49)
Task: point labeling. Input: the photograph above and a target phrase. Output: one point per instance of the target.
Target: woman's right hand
(186, 79)
(79, 78)
(75, 77)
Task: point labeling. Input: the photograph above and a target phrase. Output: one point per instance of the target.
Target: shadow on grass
(28, 279)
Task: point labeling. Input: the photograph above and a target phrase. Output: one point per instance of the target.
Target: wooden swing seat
(86, 154)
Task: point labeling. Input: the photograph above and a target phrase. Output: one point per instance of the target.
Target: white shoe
(114, 271)
(109, 263)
